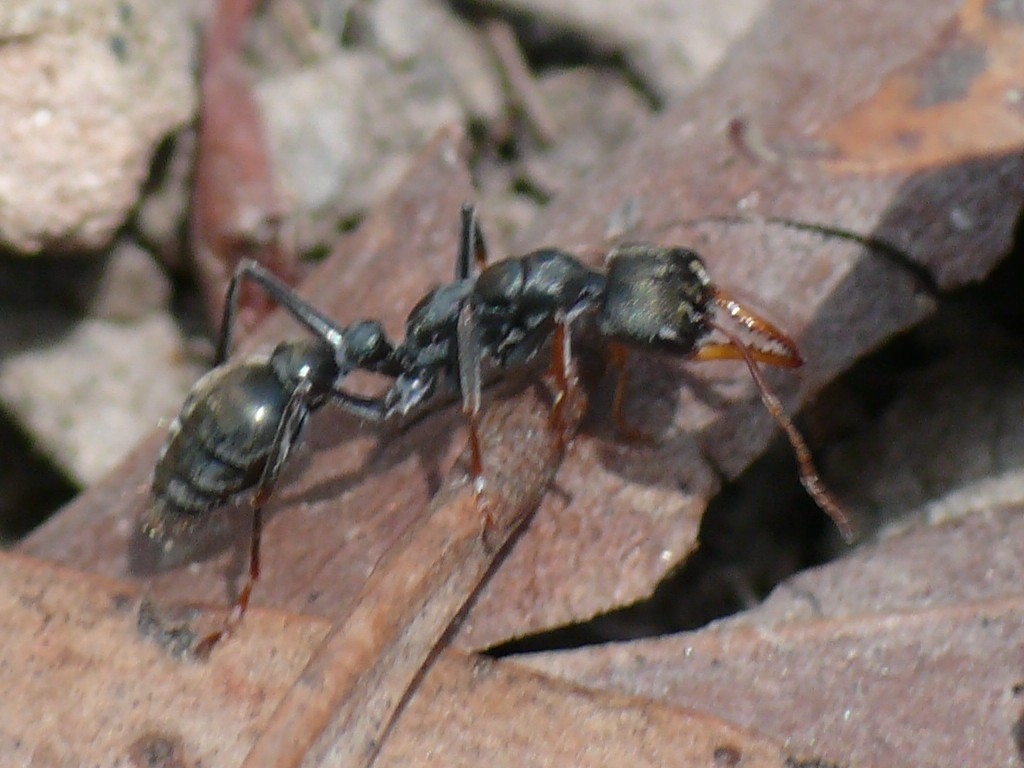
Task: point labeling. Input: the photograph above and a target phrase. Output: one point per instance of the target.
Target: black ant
(238, 424)
(650, 298)
(241, 419)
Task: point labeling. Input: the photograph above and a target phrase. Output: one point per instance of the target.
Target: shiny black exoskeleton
(241, 419)
(238, 425)
(650, 298)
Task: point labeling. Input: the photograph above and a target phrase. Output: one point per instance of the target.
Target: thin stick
(520, 81)
(339, 711)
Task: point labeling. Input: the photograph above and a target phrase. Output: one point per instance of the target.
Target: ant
(242, 418)
(238, 424)
(649, 298)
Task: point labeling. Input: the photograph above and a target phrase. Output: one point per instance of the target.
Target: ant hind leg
(290, 422)
(314, 320)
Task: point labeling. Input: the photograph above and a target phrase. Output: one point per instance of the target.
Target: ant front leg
(317, 323)
(564, 376)
(809, 477)
(618, 356)
(294, 413)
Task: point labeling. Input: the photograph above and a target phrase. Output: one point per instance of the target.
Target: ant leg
(617, 357)
(317, 323)
(471, 246)
(471, 243)
(291, 420)
(809, 477)
(365, 408)
(470, 354)
(565, 379)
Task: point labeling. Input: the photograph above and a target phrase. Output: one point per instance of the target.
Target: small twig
(520, 81)
(340, 710)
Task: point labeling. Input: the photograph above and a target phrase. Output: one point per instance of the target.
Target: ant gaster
(241, 419)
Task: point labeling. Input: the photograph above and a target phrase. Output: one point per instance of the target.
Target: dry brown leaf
(83, 685)
(803, 69)
(905, 653)
(86, 686)
(520, 718)
(623, 516)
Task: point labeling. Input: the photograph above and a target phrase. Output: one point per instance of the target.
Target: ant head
(306, 359)
(656, 298)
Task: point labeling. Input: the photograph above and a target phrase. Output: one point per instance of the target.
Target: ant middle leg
(471, 243)
(470, 354)
(565, 379)
(469, 349)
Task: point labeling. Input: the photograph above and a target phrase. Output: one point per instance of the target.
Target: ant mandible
(241, 419)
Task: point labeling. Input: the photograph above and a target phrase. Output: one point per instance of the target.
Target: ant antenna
(809, 477)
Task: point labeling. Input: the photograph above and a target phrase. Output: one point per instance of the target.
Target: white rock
(88, 90)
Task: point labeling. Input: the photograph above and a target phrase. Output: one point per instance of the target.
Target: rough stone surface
(89, 89)
(130, 286)
(344, 131)
(88, 418)
(669, 44)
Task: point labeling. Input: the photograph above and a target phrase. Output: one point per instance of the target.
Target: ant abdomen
(219, 444)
